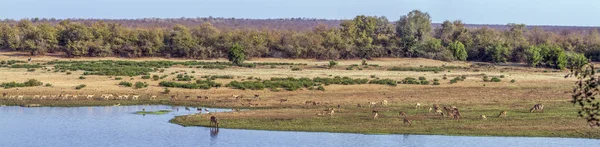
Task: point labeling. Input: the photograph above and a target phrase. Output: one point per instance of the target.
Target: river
(117, 126)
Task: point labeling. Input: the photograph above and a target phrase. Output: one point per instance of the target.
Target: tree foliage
(236, 54)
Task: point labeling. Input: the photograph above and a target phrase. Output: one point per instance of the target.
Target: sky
(531, 12)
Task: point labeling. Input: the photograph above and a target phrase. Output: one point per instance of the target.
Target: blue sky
(532, 12)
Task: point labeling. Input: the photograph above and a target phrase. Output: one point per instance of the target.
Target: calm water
(117, 126)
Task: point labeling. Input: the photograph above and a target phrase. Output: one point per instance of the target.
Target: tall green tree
(533, 56)
(413, 29)
(236, 54)
(179, 42)
(460, 53)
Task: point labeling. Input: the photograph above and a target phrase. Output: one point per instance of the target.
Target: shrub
(463, 77)
(424, 82)
(373, 76)
(48, 85)
(513, 81)
(417, 69)
(31, 70)
(501, 76)
(273, 66)
(146, 77)
(68, 73)
(139, 85)
(453, 81)
(389, 82)
(118, 78)
(80, 86)
(155, 77)
(25, 66)
(321, 88)
(193, 71)
(485, 78)
(166, 91)
(236, 54)
(332, 63)
(364, 62)
(422, 78)
(495, 79)
(296, 69)
(444, 77)
(162, 70)
(436, 83)
(125, 83)
(410, 80)
(81, 77)
(436, 80)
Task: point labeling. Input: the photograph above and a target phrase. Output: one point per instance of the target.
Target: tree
(413, 29)
(575, 60)
(236, 54)
(497, 53)
(533, 56)
(585, 93)
(179, 42)
(460, 53)
(553, 56)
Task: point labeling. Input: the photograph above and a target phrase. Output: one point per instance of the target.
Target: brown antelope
(74, 97)
(43, 97)
(198, 97)
(4, 94)
(430, 109)
(456, 113)
(374, 113)
(449, 111)
(402, 113)
(372, 104)
(173, 97)
(406, 120)
(36, 96)
(384, 102)
(153, 97)
(436, 107)
(89, 97)
(358, 105)
(214, 120)
(135, 97)
(502, 114)
(483, 117)
(537, 107)
(187, 97)
(12, 97)
(206, 97)
(418, 105)
(236, 96)
(20, 97)
(256, 96)
(282, 100)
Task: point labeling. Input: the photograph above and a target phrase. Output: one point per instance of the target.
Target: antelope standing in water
(214, 120)
(406, 120)
(502, 114)
(537, 107)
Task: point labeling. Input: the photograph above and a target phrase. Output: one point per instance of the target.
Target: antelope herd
(89, 97)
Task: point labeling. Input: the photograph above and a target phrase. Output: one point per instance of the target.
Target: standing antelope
(36, 96)
(418, 105)
(384, 102)
(537, 107)
(135, 97)
(89, 97)
(214, 120)
(483, 117)
(456, 114)
(406, 120)
(153, 97)
(372, 104)
(430, 109)
(20, 97)
(43, 97)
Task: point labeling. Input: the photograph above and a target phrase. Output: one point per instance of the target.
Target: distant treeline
(362, 37)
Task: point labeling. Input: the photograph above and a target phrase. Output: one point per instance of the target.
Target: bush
(495, 79)
(321, 88)
(236, 54)
(436, 83)
(31, 70)
(417, 69)
(424, 82)
(125, 83)
(68, 73)
(501, 76)
(296, 69)
(167, 91)
(200, 84)
(373, 76)
(81, 77)
(389, 82)
(364, 62)
(118, 78)
(444, 77)
(485, 78)
(80, 86)
(453, 81)
(48, 85)
(410, 80)
(332, 63)
(513, 81)
(139, 85)
(155, 77)
(146, 77)
(422, 78)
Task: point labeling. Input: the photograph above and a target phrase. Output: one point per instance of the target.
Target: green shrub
(332, 63)
(417, 69)
(453, 81)
(125, 83)
(424, 82)
(273, 66)
(167, 91)
(146, 77)
(200, 84)
(436, 83)
(25, 66)
(444, 77)
(513, 81)
(118, 78)
(410, 80)
(139, 85)
(80, 86)
(389, 82)
(485, 78)
(422, 78)
(81, 77)
(296, 69)
(31, 70)
(436, 80)
(321, 88)
(68, 73)
(373, 76)
(155, 77)
(364, 62)
(501, 76)
(48, 85)
(495, 79)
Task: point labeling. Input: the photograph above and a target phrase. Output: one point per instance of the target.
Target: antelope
(36, 96)
(153, 97)
(436, 107)
(537, 107)
(374, 113)
(173, 97)
(89, 97)
(43, 97)
(4, 94)
(256, 96)
(502, 114)
(53, 96)
(74, 97)
(135, 97)
(430, 109)
(187, 97)
(406, 120)
(125, 97)
(384, 102)
(418, 105)
(358, 105)
(307, 102)
(11, 97)
(206, 97)
(235, 96)
(282, 100)
(456, 113)
(20, 97)
(331, 112)
(483, 117)
(372, 104)
(214, 120)
(198, 97)
(439, 112)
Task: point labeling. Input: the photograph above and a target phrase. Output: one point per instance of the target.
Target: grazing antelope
(12, 97)
(374, 113)
(198, 97)
(372, 104)
(384, 102)
(214, 120)
(235, 96)
(173, 97)
(43, 97)
(483, 117)
(89, 97)
(206, 97)
(53, 97)
(153, 97)
(537, 107)
(74, 97)
(502, 114)
(282, 100)
(436, 107)
(418, 105)
(307, 102)
(36, 96)
(125, 97)
(439, 111)
(187, 97)
(449, 111)
(135, 97)
(358, 105)
(256, 96)
(20, 97)
(456, 114)
(430, 109)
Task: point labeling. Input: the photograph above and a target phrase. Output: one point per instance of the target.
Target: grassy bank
(159, 112)
(558, 120)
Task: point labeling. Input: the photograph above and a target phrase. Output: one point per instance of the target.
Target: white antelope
(418, 105)
(153, 97)
(89, 97)
(43, 97)
(36, 96)
(20, 97)
(12, 97)
(135, 97)
(384, 102)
